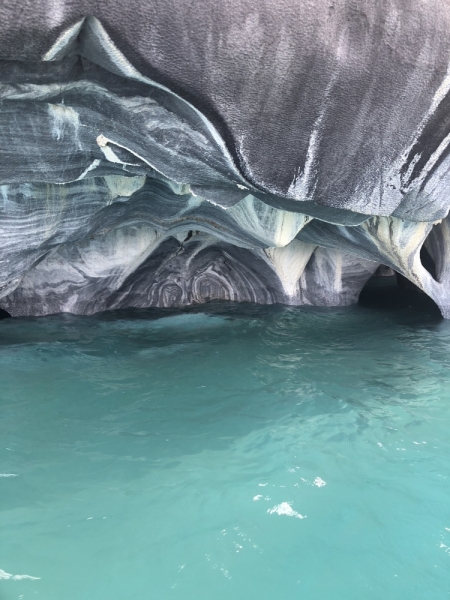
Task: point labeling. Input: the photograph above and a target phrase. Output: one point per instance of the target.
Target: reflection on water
(228, 451)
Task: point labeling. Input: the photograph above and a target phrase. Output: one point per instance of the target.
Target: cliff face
(171, 155)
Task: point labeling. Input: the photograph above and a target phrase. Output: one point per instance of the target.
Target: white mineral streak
(274, 227)
(94, 164)
(329, 263)
(121, 186)
(437, 187)
(183, 189)
(306, 274)
(64, 41)
(439, 96)
(108, 258)
(110, 155)
(303, 184)
(46, 91)
(419, 181)
(393, 187)
(399, 242)
(33, 217)
(120, 63)
(396, 243)
(334, 278)
(289, 264)
(117, 253)
(66, 122)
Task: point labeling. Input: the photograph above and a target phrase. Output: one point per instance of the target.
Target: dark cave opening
(428, 263)
(4, 314)
(388, 290)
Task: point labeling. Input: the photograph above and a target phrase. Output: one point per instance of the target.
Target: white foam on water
(5, 575)
(319, 482)
(285, 509)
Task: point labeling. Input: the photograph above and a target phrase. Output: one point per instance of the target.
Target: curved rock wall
(116, 191)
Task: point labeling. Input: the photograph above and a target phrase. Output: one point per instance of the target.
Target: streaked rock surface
(119, 187)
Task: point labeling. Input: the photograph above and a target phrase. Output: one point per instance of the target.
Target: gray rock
(252, 157)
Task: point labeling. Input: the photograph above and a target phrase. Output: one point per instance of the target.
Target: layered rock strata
(117, 192)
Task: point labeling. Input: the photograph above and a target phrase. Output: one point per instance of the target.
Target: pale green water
(152, 458)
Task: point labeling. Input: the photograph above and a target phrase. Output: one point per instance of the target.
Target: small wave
(5, 575)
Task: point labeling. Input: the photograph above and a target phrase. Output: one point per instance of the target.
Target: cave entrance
(388, 290)
(4, 314)
(383, 290)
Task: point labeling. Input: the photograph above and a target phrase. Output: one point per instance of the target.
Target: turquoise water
(226, 453)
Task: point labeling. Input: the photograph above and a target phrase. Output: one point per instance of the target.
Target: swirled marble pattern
(120, 188)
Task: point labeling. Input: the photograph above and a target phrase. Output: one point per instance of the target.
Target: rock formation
(166, 153)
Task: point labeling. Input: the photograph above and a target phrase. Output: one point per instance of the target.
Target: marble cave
(164, 153)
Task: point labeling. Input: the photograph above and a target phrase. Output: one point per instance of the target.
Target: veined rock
(166, 153)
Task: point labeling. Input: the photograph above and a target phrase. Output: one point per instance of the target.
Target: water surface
(226, 453)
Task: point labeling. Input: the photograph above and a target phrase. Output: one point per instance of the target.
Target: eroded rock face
(290, 185)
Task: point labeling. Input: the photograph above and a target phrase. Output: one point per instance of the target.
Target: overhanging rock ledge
(165, 155)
